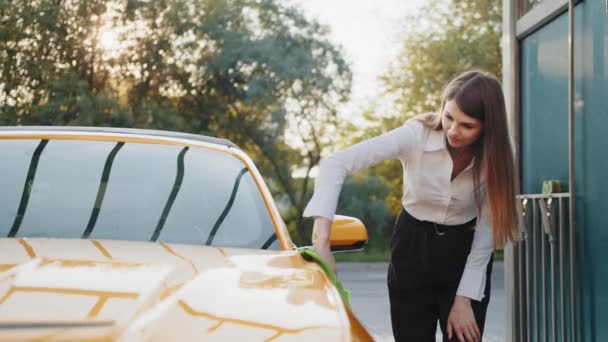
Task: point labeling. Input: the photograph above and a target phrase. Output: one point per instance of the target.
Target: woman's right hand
(321, 242)
(325, 252)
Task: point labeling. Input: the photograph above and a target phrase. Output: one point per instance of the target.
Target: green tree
(40, 41)
(446, 38)
(274, 67)
(363, 196)
(70, 102)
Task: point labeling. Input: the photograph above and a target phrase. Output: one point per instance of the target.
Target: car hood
(75, 289)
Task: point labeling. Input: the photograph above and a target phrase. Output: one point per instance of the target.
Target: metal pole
(528, 276)
(562, 270)
(520, 268)
(534, 242)
(551, 212)
(571, 168)
(521, 292)
(543, 309)
(548, 230)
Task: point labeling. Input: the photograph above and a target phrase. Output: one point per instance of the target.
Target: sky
(370, 32)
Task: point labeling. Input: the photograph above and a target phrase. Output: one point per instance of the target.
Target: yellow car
(140, 235)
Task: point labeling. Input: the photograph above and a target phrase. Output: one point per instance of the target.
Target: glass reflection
(131, 191)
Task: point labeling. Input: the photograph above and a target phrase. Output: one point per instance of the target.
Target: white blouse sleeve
(399, 142)
(473, 280)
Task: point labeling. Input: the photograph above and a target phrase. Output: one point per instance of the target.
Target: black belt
(439, 228)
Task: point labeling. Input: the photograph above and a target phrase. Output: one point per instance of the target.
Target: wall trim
(539, 15)
(510, 82)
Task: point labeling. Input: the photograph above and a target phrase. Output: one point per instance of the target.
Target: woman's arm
(320, 240)
(473, 280)
(400, 142)
(461, 320)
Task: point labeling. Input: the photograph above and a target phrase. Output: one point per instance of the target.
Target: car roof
(117, 130)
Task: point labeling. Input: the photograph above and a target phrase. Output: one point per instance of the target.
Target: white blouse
(429, 194)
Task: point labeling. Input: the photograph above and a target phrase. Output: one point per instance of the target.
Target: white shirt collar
(435, 141)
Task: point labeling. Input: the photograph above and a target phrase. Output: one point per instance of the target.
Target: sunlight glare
(108, 38)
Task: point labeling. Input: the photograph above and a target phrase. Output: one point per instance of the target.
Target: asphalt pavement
(369, 298)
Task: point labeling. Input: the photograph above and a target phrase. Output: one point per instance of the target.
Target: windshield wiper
(270, 240)
(27, 188)
(101, 192)
(179, 177)
(220, 219)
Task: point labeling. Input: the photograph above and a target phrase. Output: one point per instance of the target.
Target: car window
(130, 191)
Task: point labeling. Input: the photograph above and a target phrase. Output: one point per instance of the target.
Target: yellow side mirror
(347, 234)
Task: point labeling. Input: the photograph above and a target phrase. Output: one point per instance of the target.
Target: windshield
(130, 191)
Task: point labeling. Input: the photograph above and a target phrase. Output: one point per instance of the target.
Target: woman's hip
(423, 253)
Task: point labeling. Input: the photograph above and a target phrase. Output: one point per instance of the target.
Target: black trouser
(427, 261)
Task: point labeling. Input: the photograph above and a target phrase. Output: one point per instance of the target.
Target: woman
(458, 204)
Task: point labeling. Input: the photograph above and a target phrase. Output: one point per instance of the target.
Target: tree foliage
(446, 38)
(363, 196)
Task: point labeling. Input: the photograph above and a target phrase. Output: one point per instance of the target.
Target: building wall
(544, 142)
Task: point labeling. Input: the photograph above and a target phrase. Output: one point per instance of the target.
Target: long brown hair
(479, 95)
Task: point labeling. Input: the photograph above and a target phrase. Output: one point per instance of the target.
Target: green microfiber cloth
(312, 255)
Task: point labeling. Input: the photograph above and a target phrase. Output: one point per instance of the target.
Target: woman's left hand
(461, 321)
